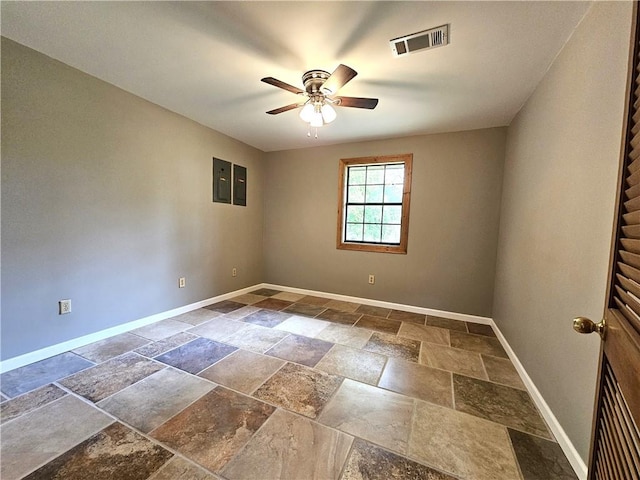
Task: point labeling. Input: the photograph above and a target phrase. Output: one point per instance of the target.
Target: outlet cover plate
(64, 307)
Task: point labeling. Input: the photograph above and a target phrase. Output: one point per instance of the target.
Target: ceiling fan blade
(285, 108)
(280, 84)
(338, 79)
(356, 102)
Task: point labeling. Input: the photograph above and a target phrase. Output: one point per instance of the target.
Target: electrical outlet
(182, 282)
(64, 307)
(234, 272)
(372, 279)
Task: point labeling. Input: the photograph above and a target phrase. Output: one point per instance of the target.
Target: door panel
(615, 442)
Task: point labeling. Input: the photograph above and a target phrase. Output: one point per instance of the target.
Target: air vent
(425, 40)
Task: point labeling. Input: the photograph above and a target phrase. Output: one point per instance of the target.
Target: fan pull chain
(309, 132)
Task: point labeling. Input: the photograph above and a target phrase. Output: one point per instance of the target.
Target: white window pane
(392, 214)
(374, 194)
(355, 214)
(373, 214)
(393, 193)
(354, 232)
(391, 233)
(394, 174)
(372, 232)
(375, 175)
(357, 175)
(356, 194)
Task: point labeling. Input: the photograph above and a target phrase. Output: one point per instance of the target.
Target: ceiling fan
(319, 94)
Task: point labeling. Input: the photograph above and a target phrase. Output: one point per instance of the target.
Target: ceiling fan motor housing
(313, 81)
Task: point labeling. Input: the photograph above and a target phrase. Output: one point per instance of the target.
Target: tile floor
(276, 385)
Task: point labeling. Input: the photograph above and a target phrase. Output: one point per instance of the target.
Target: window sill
(372, 247)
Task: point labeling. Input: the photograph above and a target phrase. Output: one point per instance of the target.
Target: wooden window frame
(341, 244)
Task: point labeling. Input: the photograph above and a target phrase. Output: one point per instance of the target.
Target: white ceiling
(205, 60)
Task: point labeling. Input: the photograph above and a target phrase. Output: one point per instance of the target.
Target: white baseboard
(576, 461)
(36, 356)
(565, 443)
(379, 303)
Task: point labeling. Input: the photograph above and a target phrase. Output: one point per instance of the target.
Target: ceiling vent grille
(425, 40)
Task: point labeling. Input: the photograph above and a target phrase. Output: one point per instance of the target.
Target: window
(374, 203)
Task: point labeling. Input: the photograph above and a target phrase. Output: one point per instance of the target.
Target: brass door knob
(586, 325)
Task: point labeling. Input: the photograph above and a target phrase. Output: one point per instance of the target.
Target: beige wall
(452, 232)
(106, 200)
(557, 212)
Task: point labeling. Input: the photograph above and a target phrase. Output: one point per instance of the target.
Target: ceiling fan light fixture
(316, 119)
(307, 113)
(328, 113)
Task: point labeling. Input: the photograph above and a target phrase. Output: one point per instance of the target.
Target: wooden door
(615, 442)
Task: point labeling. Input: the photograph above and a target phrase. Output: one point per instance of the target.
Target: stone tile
(218, 329)
(501, 370)
(368, 462)
(45, 433)
(509, 406)
(336, 316)
(309, 327)
(162, 329)
(29, 401)
(442, 322)
(478, 344)
(195, 356)
(375, 311)
(425, 333)
(290, 447)
(273, 304)
(242, 312)
(418, 381)
(371, 413)
(153, 400)
(243, 370)
(180, 469)
(266, 292)
(225, 306)
(452, 359)
(540, 459)
(312, 300)
(378, 324)
(266, 318)
(345, 335)
(196, 317)
(288, 296)
(27, 378)
(480, 329)
(304, 309)
(393, 346)
(110, 347)
(248, 298)
(214, 428)
(299, 349)
(409, 317)
(462, 444)
(156, 348)
(299, 389)
(103, 380)
(353, 363)
(115, 452)
(256, 338)
(342, 306)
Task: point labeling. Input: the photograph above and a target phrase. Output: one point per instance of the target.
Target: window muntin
(374, 203)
